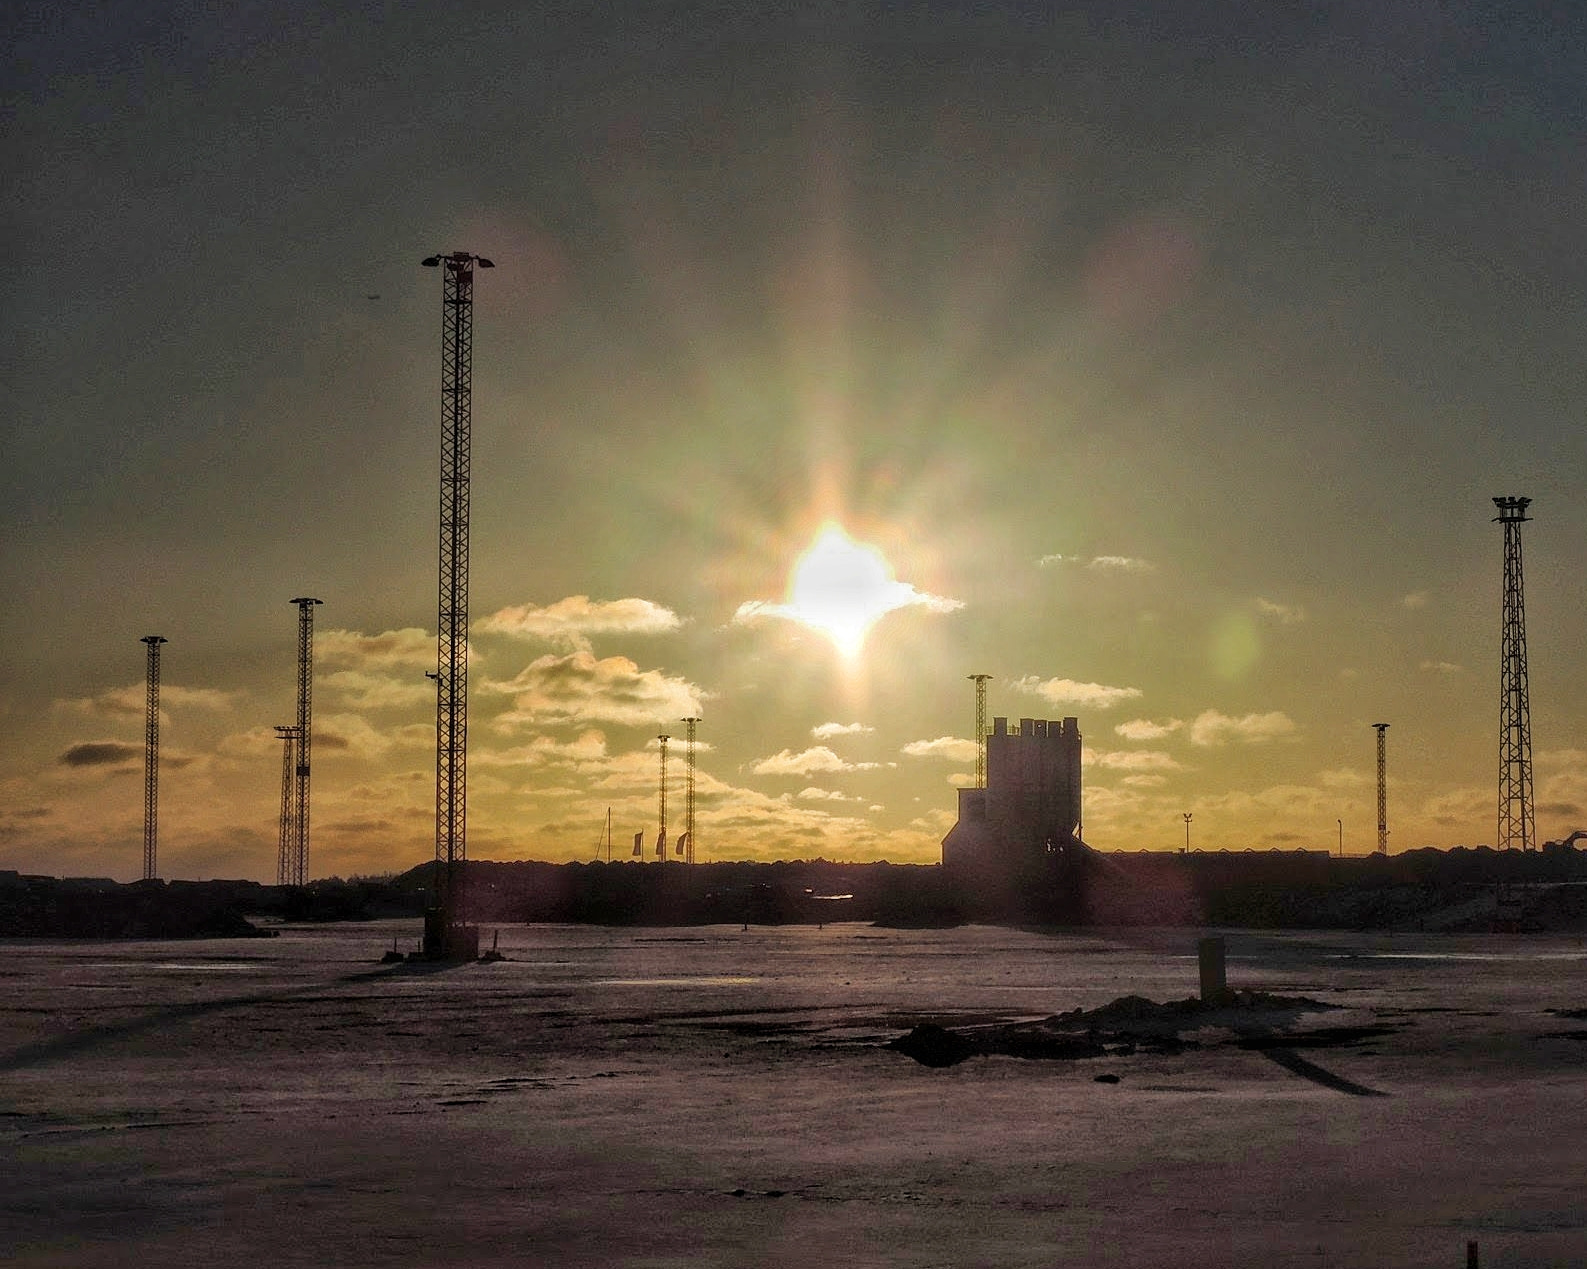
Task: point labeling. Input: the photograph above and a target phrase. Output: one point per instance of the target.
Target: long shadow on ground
(45, 1051)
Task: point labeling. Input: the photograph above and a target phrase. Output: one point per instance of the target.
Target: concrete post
(1214, 984)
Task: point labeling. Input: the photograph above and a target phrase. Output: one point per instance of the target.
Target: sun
(842, 588)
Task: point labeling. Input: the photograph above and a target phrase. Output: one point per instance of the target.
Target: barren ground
(717, 1096)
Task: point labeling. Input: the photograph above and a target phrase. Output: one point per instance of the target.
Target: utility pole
(1187, 832)
(451, 709)
(287, 853)
(980, 728)
(688, 794)
(1383, 789)
(304, 740)
(1517, 828)
(151, 758)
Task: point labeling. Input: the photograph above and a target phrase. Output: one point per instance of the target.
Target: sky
(1159, 361)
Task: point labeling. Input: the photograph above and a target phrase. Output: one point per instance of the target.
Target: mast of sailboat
(604, 841)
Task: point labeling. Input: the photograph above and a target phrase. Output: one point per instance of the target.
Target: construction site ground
(723, 1096)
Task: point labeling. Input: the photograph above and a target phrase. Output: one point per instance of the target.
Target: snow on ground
(718, 1096)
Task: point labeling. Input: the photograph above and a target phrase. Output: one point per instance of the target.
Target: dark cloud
(100, 753)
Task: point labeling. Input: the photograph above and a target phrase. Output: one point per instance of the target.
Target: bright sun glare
(842, 588)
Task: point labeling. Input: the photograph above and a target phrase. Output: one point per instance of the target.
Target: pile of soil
(1128, 1025)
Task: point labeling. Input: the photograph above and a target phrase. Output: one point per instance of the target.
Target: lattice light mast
(286, 855)
(688, 792)
(1383, 788)
(304, 740)
(451, 709)
(661, 836)
(1517, 827)
(980, 728)
(151, 758)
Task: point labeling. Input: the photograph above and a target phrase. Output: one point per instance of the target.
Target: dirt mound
(1128, 1025)
(1137, 1013)
(931, 1045)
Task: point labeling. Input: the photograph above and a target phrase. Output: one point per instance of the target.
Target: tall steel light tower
(1383, 789)
(451, 680)
(1517, 828)
(151, 758)
(688, 792)
(304, 740)
(287, 853)
(661, 836)
(980, 728)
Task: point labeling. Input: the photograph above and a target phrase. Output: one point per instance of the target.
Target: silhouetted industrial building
(1028, 815)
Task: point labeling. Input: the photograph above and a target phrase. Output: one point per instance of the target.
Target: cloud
(808, 762)
(813, 794)
(1099, 563)
(581, 686)
(198, 697)
(1133, 760)
(361, 690)
(573, 620)
(828, 731)
(1561, 810)
(408, 648)
(1212, 728)
(377, 671)
(1416, 599)
(1121, 564)
(1284, 614)
(1146, 729)
(1456, 808)
(1069, 692)
(353, 734)
(130, 701)
(1440, 667)
(101, 753)
(119, 755)
(546, 751)
(950, 747)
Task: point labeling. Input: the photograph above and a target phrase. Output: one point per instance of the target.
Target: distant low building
(1029, 812)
